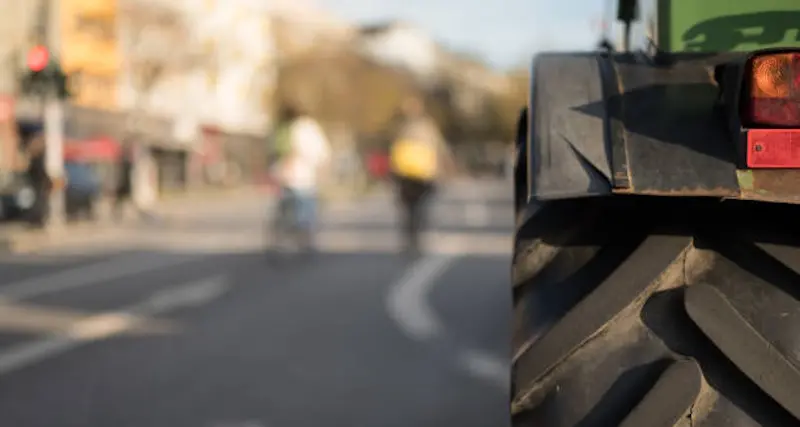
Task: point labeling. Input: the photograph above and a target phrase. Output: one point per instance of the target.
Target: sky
(506, 33)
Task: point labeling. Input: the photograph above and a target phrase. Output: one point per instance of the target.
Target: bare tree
(158, 44)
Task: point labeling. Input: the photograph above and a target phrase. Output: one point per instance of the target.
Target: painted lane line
(487, 367)
(92, 274)
(407, 305)
(107, 325)
(407, 302)
(193, 294)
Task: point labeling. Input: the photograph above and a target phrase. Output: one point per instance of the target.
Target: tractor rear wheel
(644, 311)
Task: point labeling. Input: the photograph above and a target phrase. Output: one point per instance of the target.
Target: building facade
(402, 45)
(89, 51)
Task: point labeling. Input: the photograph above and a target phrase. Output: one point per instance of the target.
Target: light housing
(771, 110)
(774, 90)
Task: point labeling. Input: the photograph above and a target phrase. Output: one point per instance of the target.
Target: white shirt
(310, 150)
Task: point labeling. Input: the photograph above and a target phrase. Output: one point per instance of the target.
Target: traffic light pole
(54, 127)
(54, 159)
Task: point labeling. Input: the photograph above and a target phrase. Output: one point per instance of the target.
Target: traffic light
(44, 75)
(61, 82)
(38, 58)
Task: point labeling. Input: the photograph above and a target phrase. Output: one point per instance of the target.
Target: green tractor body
(656, 274)
(714, 26)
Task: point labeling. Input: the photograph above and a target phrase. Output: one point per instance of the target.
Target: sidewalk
(169, 211)
(207, 197)
(19, 238)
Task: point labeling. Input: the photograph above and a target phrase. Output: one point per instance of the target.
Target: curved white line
(487, 367)
(407, 305)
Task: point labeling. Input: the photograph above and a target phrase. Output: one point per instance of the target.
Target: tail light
(774, 102)
(775, 90)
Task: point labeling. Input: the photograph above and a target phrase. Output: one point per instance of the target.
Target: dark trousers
(38, 213)
(413, 196)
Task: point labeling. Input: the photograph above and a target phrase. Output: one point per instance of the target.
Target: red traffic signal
(38, 57)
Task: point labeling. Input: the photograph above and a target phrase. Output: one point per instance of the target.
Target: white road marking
(407, 302)
(487, 367)
(192, 294)
(407, 305)
(101, 326)
(89, 275)
(106, 325)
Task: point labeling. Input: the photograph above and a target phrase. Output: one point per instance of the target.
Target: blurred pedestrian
(417, 157)
(36, 151)
(124, 185)
(302, 151)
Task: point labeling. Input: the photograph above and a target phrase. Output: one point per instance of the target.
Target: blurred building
(17, 23)
(238, 76)
(213, 61)
(155, 43)
(471, 82)
(85, 44)
(89, 51)
(300, 26)
(402, 45)
(405, 46)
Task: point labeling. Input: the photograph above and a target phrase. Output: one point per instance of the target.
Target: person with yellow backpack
(417, 157)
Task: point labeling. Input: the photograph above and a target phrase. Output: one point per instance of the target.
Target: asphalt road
(189, 326)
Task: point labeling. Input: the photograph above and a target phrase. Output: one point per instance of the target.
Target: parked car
(17, 196)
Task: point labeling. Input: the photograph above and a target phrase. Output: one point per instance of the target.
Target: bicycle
(288, 231)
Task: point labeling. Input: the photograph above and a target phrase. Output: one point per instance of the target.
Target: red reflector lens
(773, 148)
(775, 90)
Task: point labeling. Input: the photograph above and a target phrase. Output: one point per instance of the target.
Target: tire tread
(699, 300)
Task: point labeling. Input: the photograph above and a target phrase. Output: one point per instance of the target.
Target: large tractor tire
(521, 161)
(648, 312)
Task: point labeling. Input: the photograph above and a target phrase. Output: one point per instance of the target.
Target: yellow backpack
(414, 159)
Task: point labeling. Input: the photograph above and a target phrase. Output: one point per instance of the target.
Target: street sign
(38, 57)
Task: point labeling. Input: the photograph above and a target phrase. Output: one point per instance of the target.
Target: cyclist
(415, 159)
(303, 150)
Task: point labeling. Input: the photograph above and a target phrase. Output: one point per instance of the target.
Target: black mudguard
(567, 152)
(599, 124)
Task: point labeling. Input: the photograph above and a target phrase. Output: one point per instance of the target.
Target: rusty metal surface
(614, 128)
(765, 185)
(688, 191)
(675, 143)
(771, 185)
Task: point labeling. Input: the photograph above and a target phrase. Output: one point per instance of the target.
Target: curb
(24, 241)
